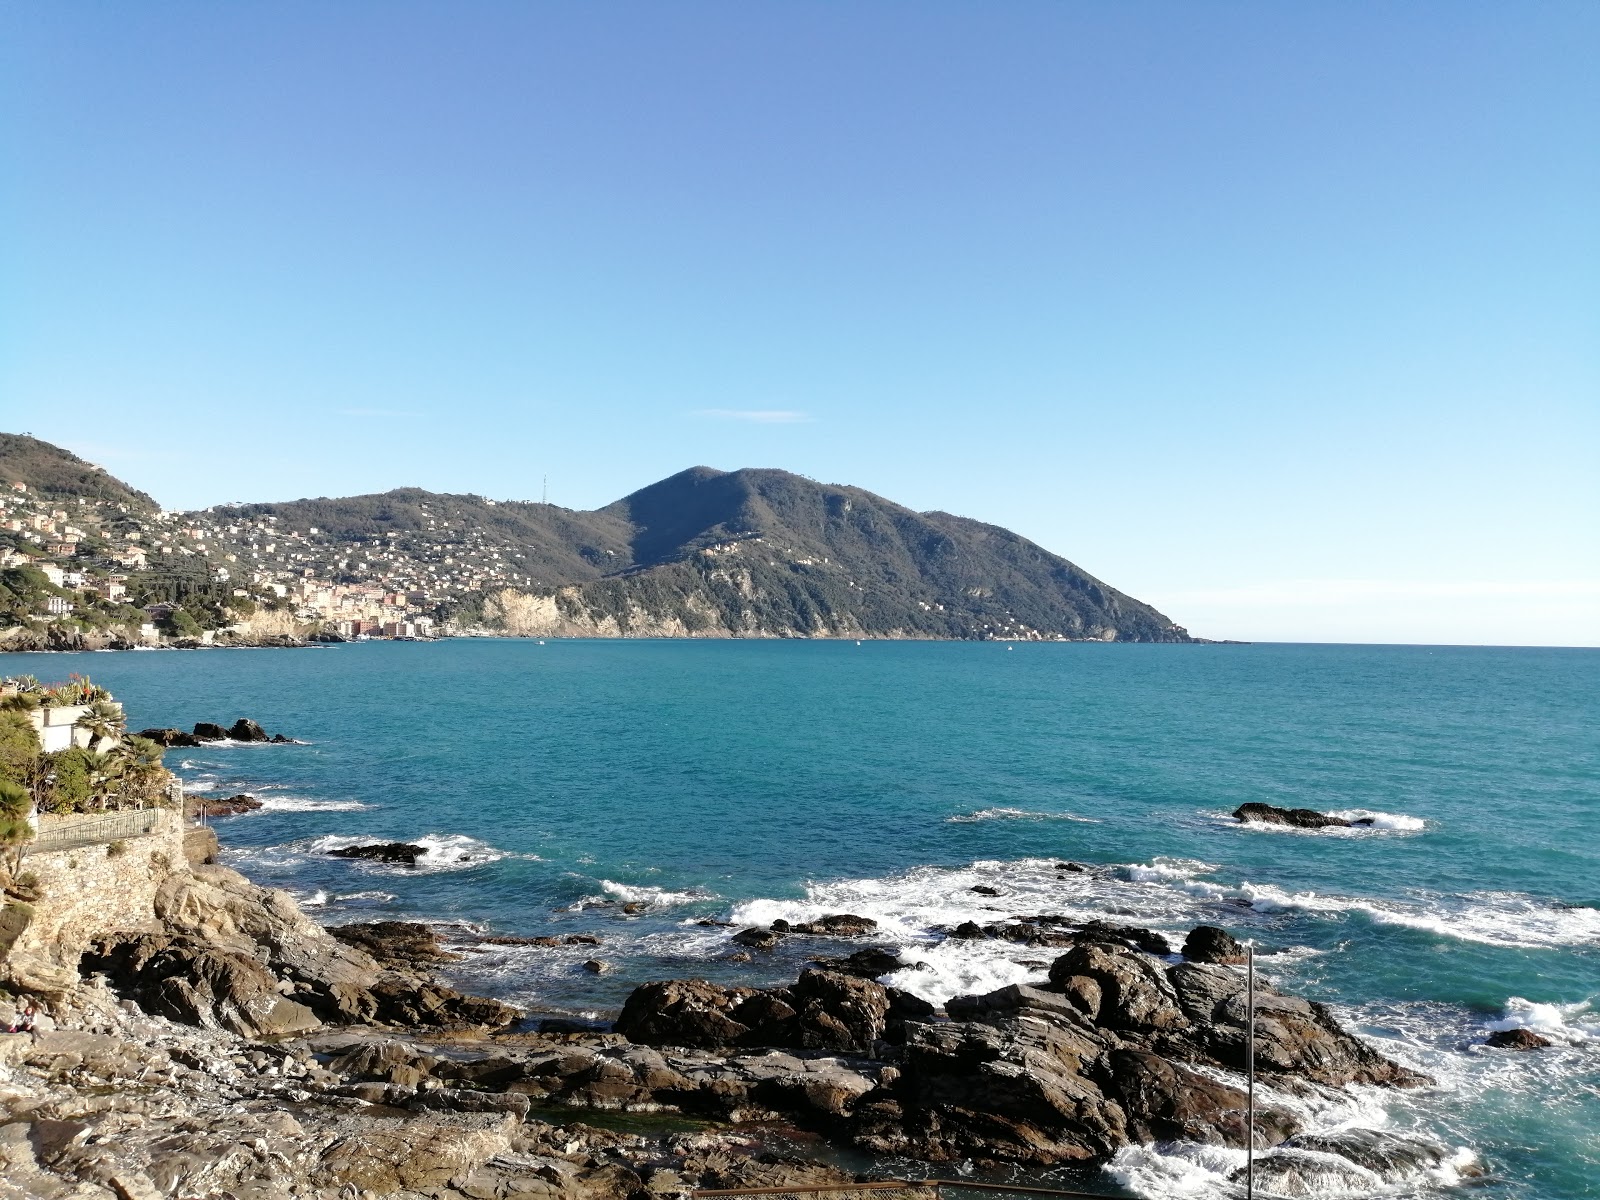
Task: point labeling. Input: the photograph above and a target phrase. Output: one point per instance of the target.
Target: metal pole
(1250, 1075)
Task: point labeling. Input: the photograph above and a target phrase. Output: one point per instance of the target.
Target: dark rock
(868, 964)
(1517, 1039)
(595, 967)
(246, 730)
(757, 939)
(984, 889)
(1071, 866)
(1062, 931)
(838, 1012)
(968, 929)
(219, 806)
(402, 943)
(206, 731)
(1300, 818)
(683, 1012)
(280, 740)
(1165, 1102)
(823, 1010)
(190, 981)
(779, 926)
(405, 853)
(1134, 992)
(1208, 944)
(169, 737)
(905, 1008)
(634, 907)
(837, 925)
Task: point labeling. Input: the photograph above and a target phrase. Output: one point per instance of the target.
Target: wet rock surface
(235, 1047)
(1299, 818)
(401, 853)
(1119, 1047)
(1517, 1039)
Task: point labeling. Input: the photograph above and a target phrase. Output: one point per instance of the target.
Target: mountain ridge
(754, 552)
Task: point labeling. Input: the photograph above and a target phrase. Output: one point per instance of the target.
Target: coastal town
(94, 563)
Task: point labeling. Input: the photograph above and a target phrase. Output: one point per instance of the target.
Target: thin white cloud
(756, 416)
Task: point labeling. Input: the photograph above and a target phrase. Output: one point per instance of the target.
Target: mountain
(749, 553)
(704, 553)
(57, 474)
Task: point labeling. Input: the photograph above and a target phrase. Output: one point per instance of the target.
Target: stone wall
(86, 892)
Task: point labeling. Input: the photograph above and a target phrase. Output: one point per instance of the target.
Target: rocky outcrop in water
(203, 805)
(1114, 1050)
(1299, 818)
(1517, 1039)
(401, 853)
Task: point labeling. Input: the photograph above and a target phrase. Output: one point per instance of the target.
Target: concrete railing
(89, 829)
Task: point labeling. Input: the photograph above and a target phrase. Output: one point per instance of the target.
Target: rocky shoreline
(230, 1045)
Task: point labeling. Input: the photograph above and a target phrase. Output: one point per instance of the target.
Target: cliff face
(85, 893)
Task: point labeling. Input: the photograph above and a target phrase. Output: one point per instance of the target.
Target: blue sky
(1283, 317)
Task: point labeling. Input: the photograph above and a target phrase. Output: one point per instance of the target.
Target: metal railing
(90, 829)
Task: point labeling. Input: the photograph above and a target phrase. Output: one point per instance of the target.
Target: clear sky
(1284, 317)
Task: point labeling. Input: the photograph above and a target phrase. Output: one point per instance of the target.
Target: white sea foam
(281, 803)
(367, 897)
(1575, 1024)
(914, 907)
(1382, 821)
(441, 851)
(1376, 822)
(1489, 918)
(200, 785)
(655, 897)
(1017, 814)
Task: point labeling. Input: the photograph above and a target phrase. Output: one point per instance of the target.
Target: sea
(660, 795)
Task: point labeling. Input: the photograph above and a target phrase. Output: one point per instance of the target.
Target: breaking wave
(1374, 822)
(441, 851)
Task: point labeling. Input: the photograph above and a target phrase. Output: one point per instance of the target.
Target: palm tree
(104, 770)
(105, 724)
(136, 764)
(15, 828)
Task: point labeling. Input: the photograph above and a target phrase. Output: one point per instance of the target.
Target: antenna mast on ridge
(544, 496)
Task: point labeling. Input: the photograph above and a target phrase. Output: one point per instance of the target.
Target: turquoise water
(748, 780)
